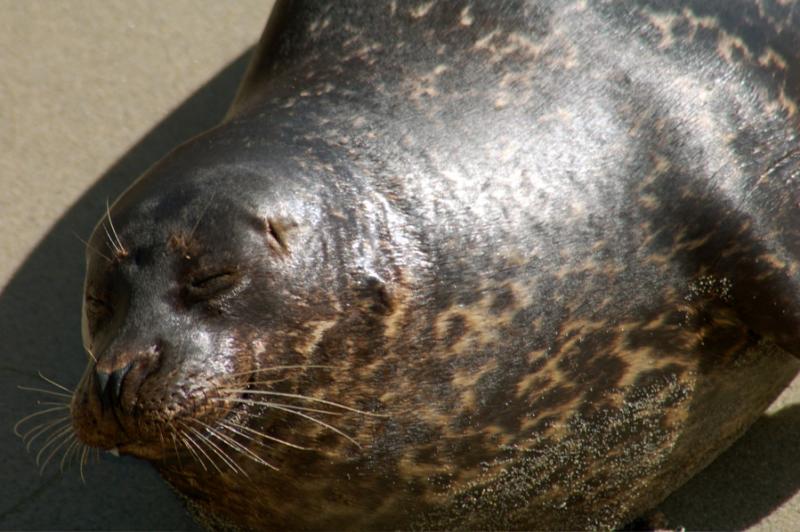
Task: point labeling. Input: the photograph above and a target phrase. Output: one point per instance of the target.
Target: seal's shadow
(756, 475)
(40, 330)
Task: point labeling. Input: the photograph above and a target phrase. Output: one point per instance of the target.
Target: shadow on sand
(40, 329)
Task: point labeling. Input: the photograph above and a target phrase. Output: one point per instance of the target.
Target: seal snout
(118, 379)
(106, 400)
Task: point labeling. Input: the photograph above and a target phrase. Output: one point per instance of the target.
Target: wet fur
(460, 265)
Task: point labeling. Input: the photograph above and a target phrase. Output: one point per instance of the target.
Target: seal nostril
(109, 383)
(116, 378)
(101, 378)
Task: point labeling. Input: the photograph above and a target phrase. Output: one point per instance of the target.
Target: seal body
(511, 264)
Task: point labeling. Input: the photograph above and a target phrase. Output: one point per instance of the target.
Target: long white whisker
(68, 452)
(63, 437)
(304, 398)
(44, 428)
(114, 247)
(186, 440)
(119, 243)
(52, 403)
(200, 448)
(89, 246)
(19, 423)
(280, 368)
(230, 425)
(236, 446)
(57, 385)
(175, 446)
(319, 422)
(84, 460)
(272, 403)
(48, 392)
(202, 213)
(62, 431)
(218, 451)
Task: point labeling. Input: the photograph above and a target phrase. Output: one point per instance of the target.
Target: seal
(518, 264)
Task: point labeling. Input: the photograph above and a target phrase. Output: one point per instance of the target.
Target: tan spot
(483, 42)
(421, 10)
(772, 260)
(649, 201)
(465, 381)
(466, 18)
(787, 103)
(663, 23)
(771, 57)
(728, 43)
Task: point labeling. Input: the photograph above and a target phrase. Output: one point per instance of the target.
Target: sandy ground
(91, 94)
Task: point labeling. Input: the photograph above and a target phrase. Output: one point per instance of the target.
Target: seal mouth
(243, 420)
(222, 434)
(196, 431)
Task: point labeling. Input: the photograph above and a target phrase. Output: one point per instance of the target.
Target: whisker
(226, 458)
(64, 438)
(54, 383)
(56, 435)
(305, 398)
(52, 403)
(44, 429)
(202, 213)
(89, 246)
(200, 448)
(319, 422)
(19, 423)
(91, 355)
(177, 454)
(186, 440)
(230, 425)
(84, 460)
(270, 381)
(117, 251)
(68, 452)
(236, 446)
(272, 403)
(280, 368)
(48, 392)
(34, 432)
(119, 245)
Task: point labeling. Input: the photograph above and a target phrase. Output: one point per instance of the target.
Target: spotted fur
(539, 258)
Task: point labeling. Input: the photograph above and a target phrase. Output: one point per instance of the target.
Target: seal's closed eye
(209, 285)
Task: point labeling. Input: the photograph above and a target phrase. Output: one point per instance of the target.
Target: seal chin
(144, 450)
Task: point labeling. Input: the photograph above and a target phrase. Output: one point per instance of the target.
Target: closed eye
(208, 286)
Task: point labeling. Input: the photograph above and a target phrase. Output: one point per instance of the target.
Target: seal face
(446, 265)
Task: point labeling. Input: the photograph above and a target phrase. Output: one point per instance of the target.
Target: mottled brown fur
(471, 265)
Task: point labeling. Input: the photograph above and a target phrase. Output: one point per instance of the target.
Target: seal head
(209, 278)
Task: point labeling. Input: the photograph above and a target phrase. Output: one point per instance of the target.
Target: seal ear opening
(375, 295)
